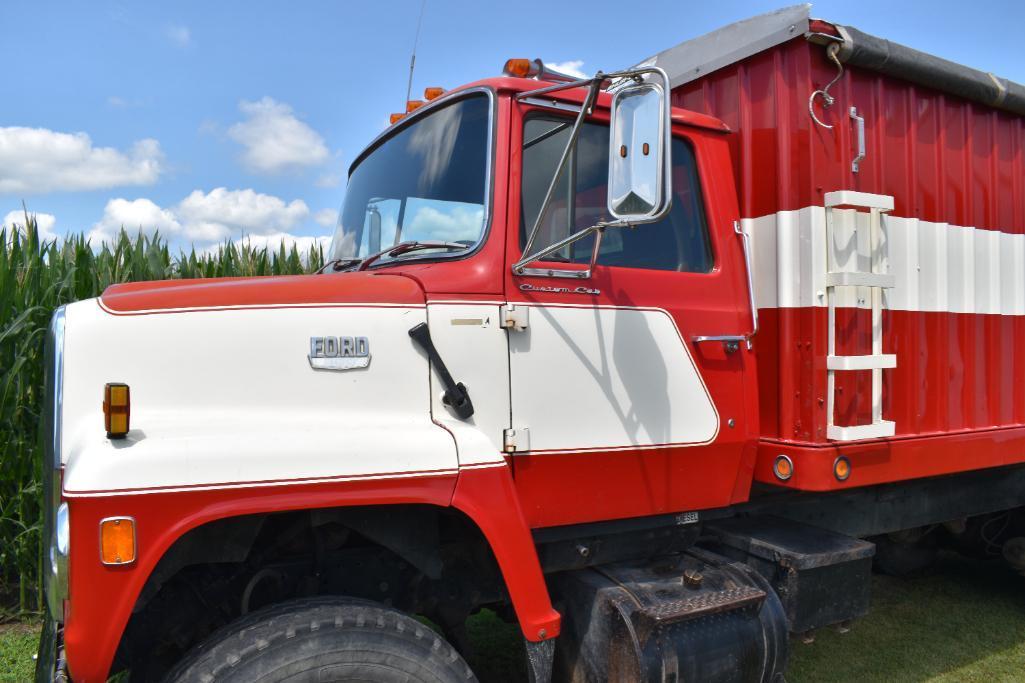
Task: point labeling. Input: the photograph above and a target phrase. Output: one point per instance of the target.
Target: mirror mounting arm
(585, 110)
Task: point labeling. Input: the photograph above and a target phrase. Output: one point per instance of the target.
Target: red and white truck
(651, 363)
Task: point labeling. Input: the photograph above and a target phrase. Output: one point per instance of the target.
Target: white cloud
(40, 160)
(274, 139)
(273, 242)
(570, 68)
(134, 216)
(208, 218)
(220, 213)
(179, 35)
(118, 102)
(44, 222)
(329, 180)
(326, 217)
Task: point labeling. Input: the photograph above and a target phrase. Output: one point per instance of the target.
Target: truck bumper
(51, 666)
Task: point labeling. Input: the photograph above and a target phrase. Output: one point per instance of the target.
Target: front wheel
(324, 640)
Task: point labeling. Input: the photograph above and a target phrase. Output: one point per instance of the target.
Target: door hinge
(514, 440)
(514, 317)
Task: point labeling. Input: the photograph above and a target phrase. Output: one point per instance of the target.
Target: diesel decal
(339, 353)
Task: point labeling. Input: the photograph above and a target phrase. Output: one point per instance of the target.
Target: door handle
(730, 342)
(860, 121)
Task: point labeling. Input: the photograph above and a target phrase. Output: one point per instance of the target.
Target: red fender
(488, 497)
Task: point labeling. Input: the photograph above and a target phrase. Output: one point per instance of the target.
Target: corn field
(37, 276)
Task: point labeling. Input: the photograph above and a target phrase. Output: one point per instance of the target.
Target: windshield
(428, 182)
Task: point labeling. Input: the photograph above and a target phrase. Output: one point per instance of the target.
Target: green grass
(18, 643)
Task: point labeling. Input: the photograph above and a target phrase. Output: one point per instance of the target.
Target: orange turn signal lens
(783, 468)
(117, 540)
(433, 93)
(395, 118)
(841, 468)
(116, 409)
(413, 105)
(521, 68)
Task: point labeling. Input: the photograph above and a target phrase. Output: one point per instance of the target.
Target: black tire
(321, 640)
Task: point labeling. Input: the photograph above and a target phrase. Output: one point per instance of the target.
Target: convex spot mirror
(639, 163)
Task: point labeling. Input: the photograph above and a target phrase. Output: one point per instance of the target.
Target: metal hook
(827, 99)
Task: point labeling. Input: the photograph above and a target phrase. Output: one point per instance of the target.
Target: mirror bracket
(594, 85)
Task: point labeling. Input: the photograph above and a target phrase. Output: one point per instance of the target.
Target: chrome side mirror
(640, 168)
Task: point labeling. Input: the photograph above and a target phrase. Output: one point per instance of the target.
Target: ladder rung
(858, 279)
(870, 431)
(871, 362)
(862, 200)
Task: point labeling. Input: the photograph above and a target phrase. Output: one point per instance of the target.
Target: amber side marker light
(117, 540)
(842, 468)
(783, 468)
(116, 409)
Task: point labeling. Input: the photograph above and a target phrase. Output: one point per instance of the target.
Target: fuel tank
(695, 616)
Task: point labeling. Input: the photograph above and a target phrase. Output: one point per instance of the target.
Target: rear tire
(321, 640)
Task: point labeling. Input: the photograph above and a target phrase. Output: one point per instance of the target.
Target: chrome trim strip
(57, 330)
(55, 563)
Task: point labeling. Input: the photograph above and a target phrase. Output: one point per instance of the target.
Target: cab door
(617, 410)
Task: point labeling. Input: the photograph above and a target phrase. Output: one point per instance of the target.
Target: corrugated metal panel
(947, 162)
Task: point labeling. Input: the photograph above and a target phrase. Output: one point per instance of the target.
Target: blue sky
(207, 119)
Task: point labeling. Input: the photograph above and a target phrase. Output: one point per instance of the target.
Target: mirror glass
(637, 154)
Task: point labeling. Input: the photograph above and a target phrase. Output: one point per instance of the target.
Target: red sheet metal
(944, 160)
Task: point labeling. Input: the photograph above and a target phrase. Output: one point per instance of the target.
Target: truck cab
(599, 372)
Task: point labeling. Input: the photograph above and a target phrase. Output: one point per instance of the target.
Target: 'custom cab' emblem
(339, 353)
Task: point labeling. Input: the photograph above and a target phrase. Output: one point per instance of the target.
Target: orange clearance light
(783, 468)
(395, 118)
(117, 540)
(413, 105)
(116, 409)
(842, 468)
(433, 93)
(521, 68)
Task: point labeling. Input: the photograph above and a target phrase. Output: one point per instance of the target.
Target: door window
(678, 242)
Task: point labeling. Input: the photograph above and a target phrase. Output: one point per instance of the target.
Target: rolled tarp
(886, 57)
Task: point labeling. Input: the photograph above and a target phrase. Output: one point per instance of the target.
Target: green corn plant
(37, 276)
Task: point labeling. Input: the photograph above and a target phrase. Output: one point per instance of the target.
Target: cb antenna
(412, 58)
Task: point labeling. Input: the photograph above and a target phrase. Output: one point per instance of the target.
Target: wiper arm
(407, 247)
(338, 264)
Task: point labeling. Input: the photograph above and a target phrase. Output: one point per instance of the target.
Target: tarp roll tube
(898, 61)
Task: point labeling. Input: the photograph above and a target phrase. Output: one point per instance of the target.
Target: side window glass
(678, 242)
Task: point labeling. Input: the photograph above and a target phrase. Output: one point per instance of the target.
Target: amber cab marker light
(842, 468)
(520, 68)
(117, 540)
(395, 118)
(783, 468)
(413, 105)
(116, 409)
(433, 93)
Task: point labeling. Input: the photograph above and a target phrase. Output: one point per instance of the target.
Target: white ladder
(876, 281)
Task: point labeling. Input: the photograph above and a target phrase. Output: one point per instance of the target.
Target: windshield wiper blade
(407, 247)
(337, 264)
